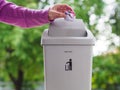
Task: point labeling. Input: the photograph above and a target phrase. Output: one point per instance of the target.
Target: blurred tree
(106, 71)
(115, 19)
(21, 55)
(20, 52)
(84, 9)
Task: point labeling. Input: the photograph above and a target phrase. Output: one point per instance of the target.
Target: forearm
(23, 17)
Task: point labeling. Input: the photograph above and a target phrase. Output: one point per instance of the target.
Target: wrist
(50, 15)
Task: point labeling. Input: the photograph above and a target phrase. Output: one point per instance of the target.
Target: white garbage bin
(67, 50)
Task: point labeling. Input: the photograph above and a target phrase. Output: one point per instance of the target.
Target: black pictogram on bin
(68, 65)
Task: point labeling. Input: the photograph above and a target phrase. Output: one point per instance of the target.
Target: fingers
(62, 8)
(55, 14)
(58, 11)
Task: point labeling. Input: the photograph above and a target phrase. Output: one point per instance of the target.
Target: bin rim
(89, 40)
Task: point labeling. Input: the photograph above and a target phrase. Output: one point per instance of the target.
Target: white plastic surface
(79, 78)
(69, 16)
(63, 28)
(67, 50)
(48, 40)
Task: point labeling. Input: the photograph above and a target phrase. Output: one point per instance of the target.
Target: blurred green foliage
(85, 8)
(106, 71)
(21, 56)
(20, 49)
(115, 19)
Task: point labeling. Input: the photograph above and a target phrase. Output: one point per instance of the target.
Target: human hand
(58, 11)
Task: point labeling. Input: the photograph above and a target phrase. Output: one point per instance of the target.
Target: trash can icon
(68, 65)
(67, 48)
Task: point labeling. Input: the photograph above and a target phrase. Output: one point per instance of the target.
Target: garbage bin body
(68, 62)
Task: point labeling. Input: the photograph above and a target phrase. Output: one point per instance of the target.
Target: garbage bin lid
(61, 32)
(62, 28)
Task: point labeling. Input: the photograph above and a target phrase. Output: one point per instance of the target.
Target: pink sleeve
(20, 16)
